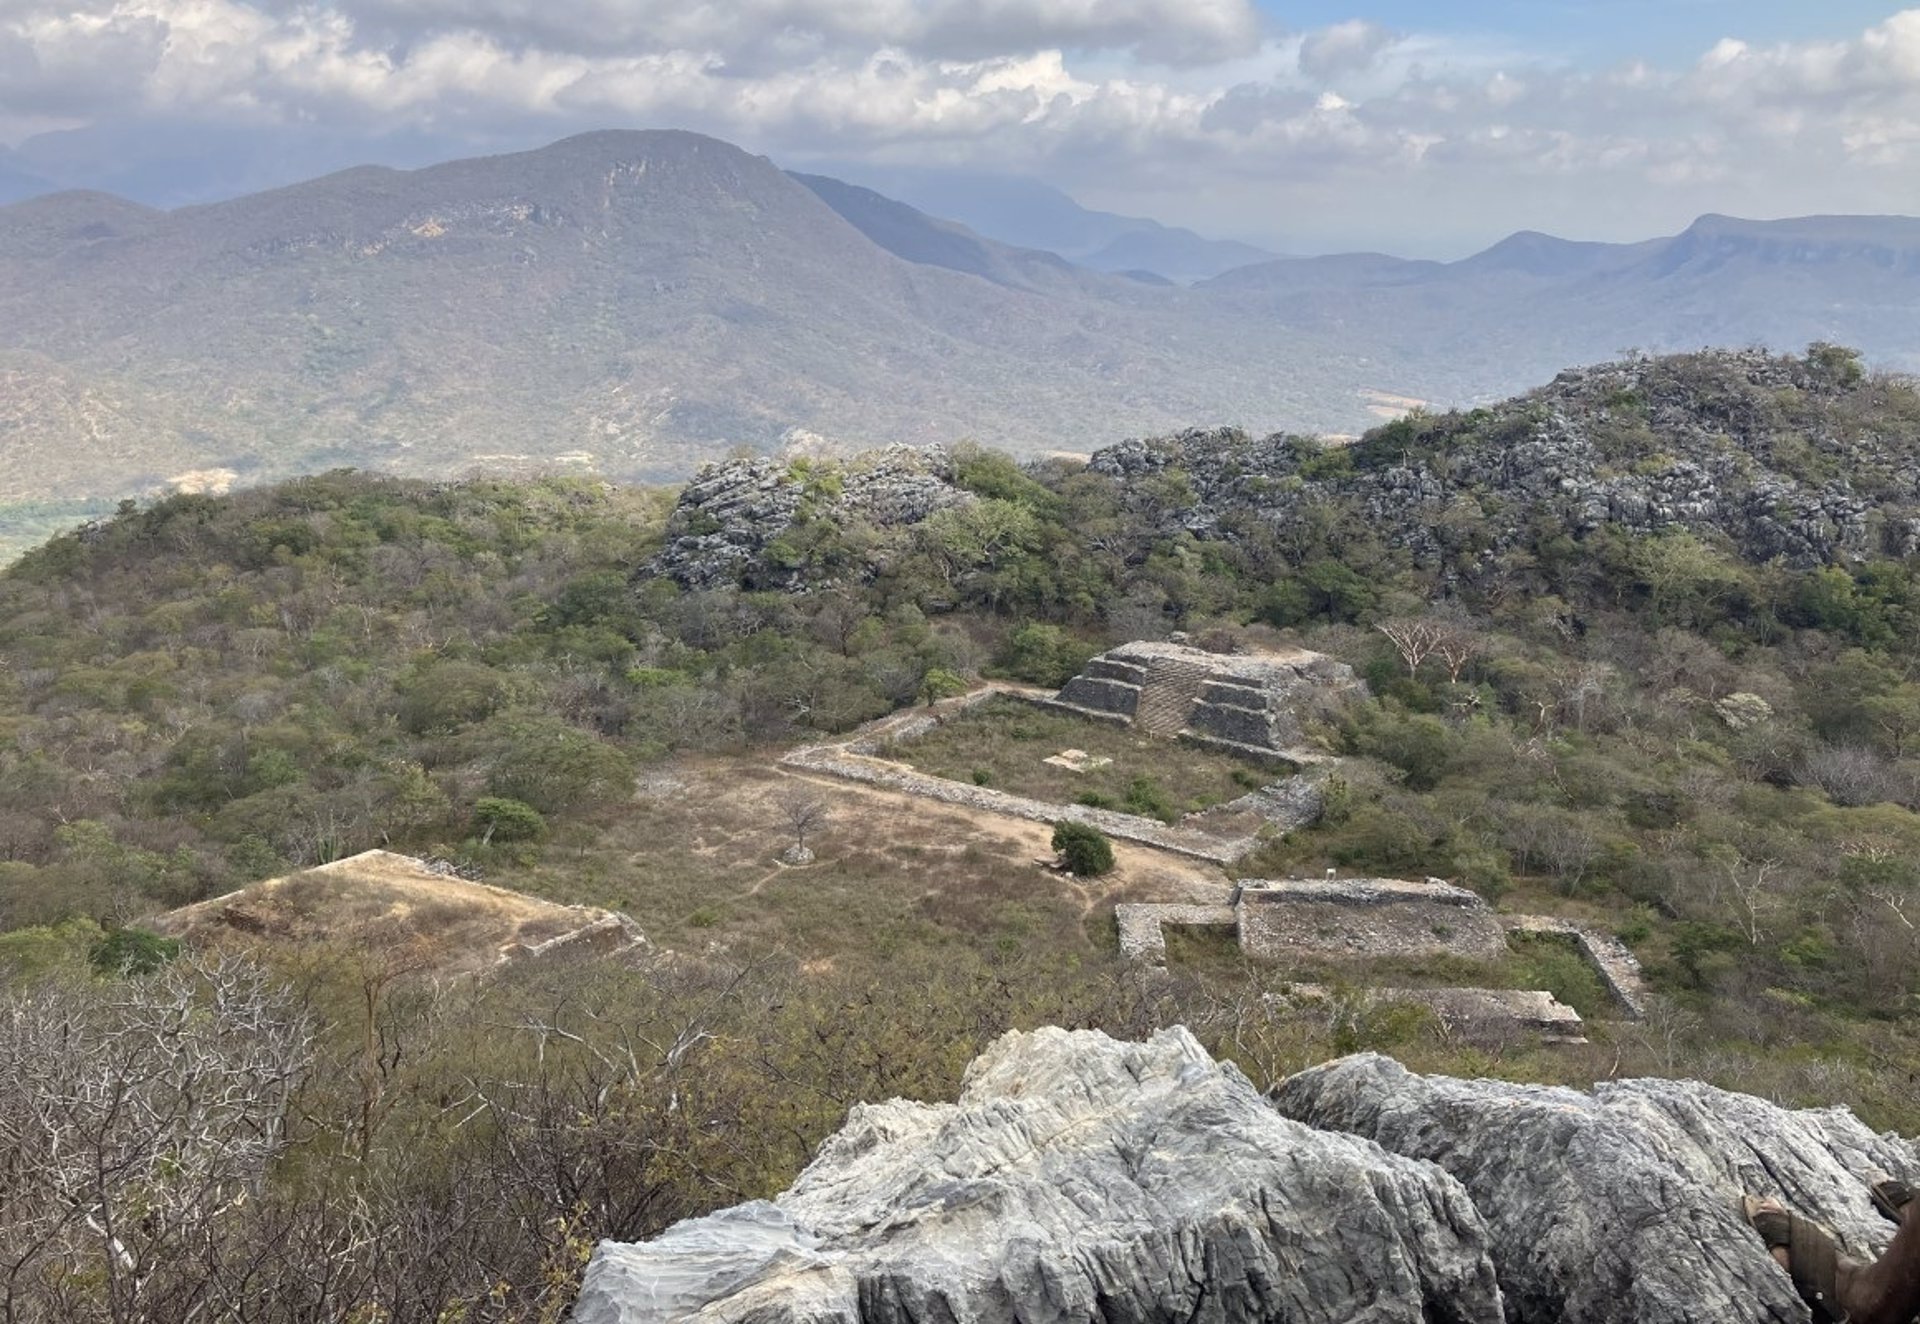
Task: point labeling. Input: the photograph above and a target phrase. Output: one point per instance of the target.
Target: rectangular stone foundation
(1366, 919)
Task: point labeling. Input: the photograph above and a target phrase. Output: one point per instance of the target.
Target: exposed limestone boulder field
(733, 512)
(1619, 1206)
(1083, 1179)
(1745, 446)
(1077, 1178)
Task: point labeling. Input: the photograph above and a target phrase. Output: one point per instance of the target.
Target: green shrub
(982, 777)
(497, 818)
(133, 952)
(1084, 851)
(1043, 655)
(1145, 797)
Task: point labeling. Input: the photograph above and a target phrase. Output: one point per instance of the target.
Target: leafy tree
(1043, 654)
(1084, 850)
(501, 819)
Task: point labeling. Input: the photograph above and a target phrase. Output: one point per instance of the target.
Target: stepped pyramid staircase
(1167, 698)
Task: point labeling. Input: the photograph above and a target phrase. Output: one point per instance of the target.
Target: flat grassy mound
(1004, 743)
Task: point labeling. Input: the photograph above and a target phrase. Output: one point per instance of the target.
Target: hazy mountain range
(640, 301)
(1029, 214)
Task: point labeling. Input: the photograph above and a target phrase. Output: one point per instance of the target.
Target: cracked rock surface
(1077, 1179)
(1619, 1206)
(1080, 1180)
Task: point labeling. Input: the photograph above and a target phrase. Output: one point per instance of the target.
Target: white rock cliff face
(1077, 1178)
(1620, 1206)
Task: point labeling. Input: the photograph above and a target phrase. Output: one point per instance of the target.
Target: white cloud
(1189, 106)
(1345, 48)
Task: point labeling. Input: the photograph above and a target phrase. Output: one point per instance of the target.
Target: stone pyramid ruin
(1254, 704)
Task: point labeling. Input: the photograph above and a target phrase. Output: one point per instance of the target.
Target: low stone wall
(604, 936)
(840, 761)
(1474, 1012)
(1357, 892)
(1618, 968)
(874, 739)
(1142, 937)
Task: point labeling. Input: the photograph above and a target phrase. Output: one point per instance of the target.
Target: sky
(1413, 126)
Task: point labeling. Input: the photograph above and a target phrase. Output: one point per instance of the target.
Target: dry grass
(1009, 741)
(694, 859)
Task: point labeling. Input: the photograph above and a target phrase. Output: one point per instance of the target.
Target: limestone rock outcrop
(1077, 1179)
(729, 517)
(1619, 1206)
(1733, 445)
(1080, 1180)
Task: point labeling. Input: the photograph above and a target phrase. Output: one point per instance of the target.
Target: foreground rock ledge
(1079, 1180)
(1076, 1179)
(1619, 1206)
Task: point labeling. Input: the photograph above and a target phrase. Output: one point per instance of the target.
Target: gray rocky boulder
(1619, 1206)
(1076, 1179)
(727, 520)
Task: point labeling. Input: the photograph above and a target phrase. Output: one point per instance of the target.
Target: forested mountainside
(637, 303)
(1642, 649)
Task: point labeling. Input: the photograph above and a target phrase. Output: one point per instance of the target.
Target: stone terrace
(1253, 704)
(1366, 919)
(1220, 835)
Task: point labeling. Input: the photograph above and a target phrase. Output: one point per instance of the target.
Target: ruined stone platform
(1315, 922)
(1366, 919)
(1255, 705)
(1618, 968)
(1473, 1013)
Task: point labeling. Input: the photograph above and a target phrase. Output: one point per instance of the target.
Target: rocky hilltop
(1803, 459)
(733, 522)
(1796, 458)
(1079, 1178)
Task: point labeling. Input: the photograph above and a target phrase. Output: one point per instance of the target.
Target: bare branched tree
(1416, 638)
(1458, 644)
(133, 1124)
(1756, 889)
(803, 811)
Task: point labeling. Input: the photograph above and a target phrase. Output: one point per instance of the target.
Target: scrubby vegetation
(1717, 760)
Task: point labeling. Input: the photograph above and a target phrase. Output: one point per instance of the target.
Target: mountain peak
(1533, 253)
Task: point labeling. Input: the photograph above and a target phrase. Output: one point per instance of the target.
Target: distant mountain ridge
(631, 301)
(639, 302)
(1027, 213)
